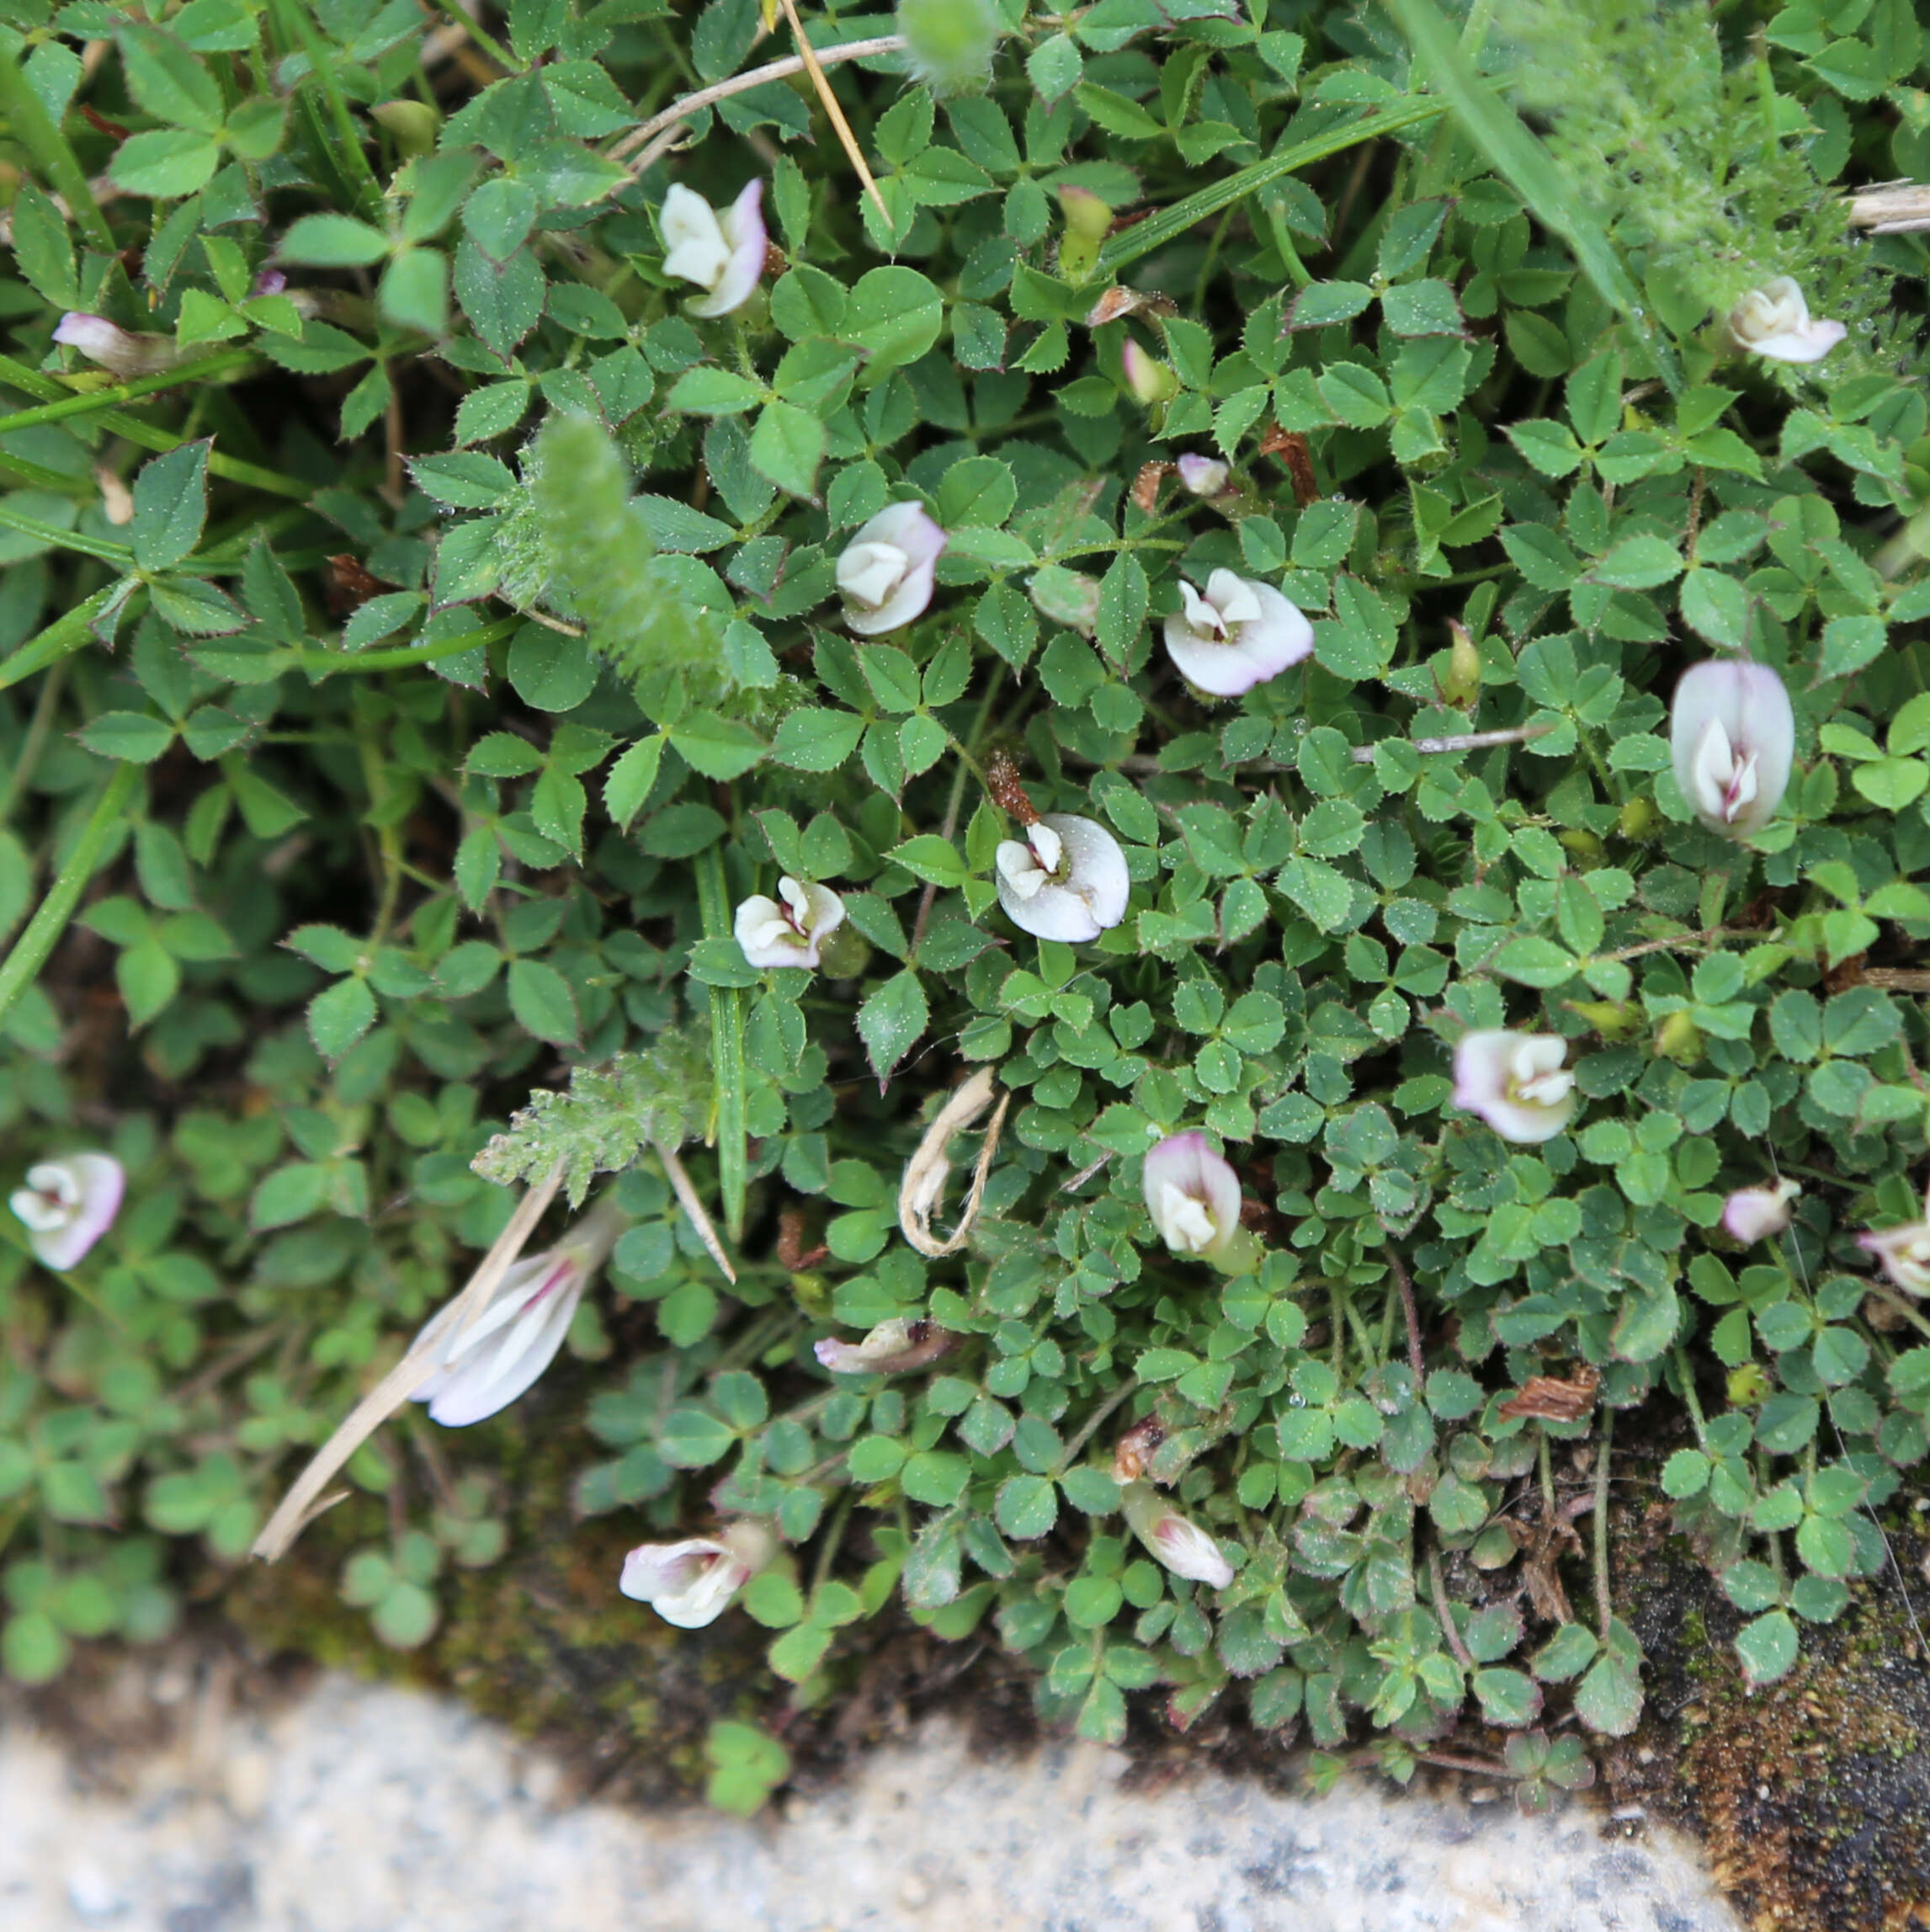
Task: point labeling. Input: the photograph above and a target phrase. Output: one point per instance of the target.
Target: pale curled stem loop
(302, 1504)
(656, 136)
(924, 1182)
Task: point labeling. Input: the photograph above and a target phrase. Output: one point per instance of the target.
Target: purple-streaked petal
(742, 224)
(1732, 739)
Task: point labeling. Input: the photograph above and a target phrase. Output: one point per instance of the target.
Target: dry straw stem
(688, 1200)
(924, 1183)
(1891, 207)
(658, 135)
(300, 1506)
(847, 139)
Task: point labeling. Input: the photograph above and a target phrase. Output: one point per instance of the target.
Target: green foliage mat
(422, 631)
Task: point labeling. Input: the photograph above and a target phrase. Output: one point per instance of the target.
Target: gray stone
(372, 1810)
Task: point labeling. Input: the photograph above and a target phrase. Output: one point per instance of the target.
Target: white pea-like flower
(1774, 321)
(1204, 476)
(890, 1349)
(886, 571)
(114, 348)
(689, 1583)
(1193, 1195)
(67, 1204)
(491, 1360)
(1516, 1082)
(1147, 377)
(1177, 1541)
(1754, 1214)
(788, 930)
(1904, 1251)
(1732, 736)
(722, 251)
(1235, 634)
(1067, 880)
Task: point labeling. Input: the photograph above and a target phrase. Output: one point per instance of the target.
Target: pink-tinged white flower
(1754, 1214)
(1516, 1082)
(1204, 475)
(114, 348)
(891, 1349)
(1774, 321)
(1733, 737)
(67, 1204)
(723, 252)
(1175, 1540)
(490, 1362)
(689, 1583)
(1067, 880)
(788, 930)
(1148, 378)
(1192, 1194)
(1904, 1251)
(885, 573)
(1236, 634)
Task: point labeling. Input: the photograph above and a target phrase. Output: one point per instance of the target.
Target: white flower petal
(1192, 1193)
(695, 248)
(67, 1204)
(742, 228)
(1732, 736)
(1517, 1082)
(1754, 1214)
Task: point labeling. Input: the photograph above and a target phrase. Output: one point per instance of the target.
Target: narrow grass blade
(1515, 153)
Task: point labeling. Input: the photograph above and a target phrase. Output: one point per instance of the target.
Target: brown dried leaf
(925, 1173)
(1549, 1398)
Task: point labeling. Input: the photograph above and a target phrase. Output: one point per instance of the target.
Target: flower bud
(1754, 1214)
(1148, 378)
(413, 126)
(1679, 1039)
(1204, 476)
(1733, 737)
(1462, 685)
(1517, 1082)
(114, 348)
(1177, 1541)
(891, 1349)
(1088, 221)
(1612, 1019)
(1639, 820)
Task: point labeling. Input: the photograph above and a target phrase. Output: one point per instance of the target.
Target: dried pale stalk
(1892, 207)
(658, 135)
(924, 1182)
(686, 1199)
(300, 1506)
(847, 139)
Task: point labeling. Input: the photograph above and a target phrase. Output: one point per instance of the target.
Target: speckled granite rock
(369, 1810)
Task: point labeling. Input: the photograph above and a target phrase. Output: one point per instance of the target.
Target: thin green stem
(488, 41)
(44, 930)
(67, 634)
(117, 553)
(38, 727)
(726, 1049)
(293, 16)
(320, 664)
(36, 130)
(18, 375)
(1170, 223)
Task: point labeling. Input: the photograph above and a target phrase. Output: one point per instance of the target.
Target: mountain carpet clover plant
(1358, 740)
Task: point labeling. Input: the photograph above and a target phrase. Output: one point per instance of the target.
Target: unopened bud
(1582, 846)
(1612, 1019)
(114, 348)
(413, 126)
(1149, 379)
(1204, 476)
(1679, 1039)
(1640, 819)
(1462, 684)
(1088, 221)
